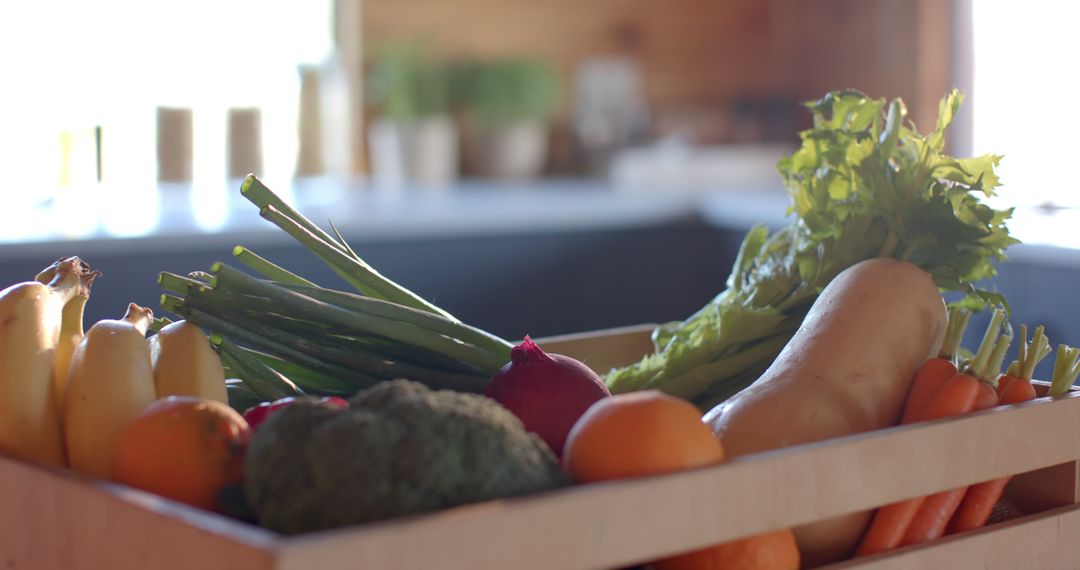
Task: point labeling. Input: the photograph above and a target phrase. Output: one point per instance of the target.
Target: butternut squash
(846, 370)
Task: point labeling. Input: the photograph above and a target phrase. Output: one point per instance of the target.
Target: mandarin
(774, 550)
(639, 434)
(184, 448)
(649, 433)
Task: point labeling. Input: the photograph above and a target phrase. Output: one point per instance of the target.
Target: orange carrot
(981, 498)
(888, 527)
(1015, 371)
(959, 396)
(1019, 390)
(936, 371)
(892, 520)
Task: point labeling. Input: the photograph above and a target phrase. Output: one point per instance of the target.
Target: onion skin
(547, 392)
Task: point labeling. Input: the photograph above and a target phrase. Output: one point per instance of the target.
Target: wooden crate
(52, 519)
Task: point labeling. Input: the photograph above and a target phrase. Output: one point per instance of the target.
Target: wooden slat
(56, 521)
(610, 524)
(616, 347)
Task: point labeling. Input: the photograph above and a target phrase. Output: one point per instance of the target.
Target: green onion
(280, 334)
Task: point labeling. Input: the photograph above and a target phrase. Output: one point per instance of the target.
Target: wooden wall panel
(703, 56)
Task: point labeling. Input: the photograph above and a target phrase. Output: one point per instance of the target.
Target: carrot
(936, 371)
(1015, 371)
(959, 396)
(888, 527)
(980, 499)
(891, 521)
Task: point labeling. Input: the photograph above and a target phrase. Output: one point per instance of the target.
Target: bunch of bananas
(66, 394)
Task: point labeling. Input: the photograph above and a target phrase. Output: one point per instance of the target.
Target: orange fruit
(184, 448)
(769, 551)
(639, 434)
(649, 433)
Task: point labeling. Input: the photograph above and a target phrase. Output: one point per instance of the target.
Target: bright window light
(1023, 97)
(70, 66)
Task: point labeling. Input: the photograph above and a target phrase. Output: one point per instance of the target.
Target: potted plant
(507, 108)
(413, 140)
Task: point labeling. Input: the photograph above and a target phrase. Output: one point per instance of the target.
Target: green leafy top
(861, 166)
(863, 183)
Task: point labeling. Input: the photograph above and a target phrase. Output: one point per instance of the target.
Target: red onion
(547, 392)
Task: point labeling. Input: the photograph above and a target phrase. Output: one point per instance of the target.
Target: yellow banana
(185, 364)
(71, 329)
(109, 383)
(71, 333)
(30, 322)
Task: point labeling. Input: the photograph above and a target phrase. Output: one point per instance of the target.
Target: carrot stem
(1066, 369)
(988, 344)
(954, 333)
(991, 369)
(1040, 349)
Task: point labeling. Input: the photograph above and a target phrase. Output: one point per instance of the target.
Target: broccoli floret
(399, 449)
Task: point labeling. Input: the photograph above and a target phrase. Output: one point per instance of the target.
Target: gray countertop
(164, 219)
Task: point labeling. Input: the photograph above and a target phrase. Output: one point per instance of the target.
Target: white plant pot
(421, 153)
(511, 150)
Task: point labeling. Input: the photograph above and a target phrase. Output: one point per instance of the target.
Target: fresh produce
(639, 434)
(1066, 369)
(891, 521)
(547, 392)
(957, 393)
(185, 364)
(30, 324)
(863, 184)
(185, 448)
(399, 449)
(969, 390)
(847, 370)
(937, 371)
(281, 335)
(774, 550)
(110, 383)
(1014, 387)
(258, 413)
(71, 327)
(651, 433)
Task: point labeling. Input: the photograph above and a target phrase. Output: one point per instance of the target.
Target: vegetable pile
(863, 184)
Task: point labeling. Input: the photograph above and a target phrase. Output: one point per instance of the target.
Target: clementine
(768, 551)
(639, 434)
(650, 433)
(184, 448)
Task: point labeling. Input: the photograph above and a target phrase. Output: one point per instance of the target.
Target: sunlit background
(1024, 57)
(126, 127)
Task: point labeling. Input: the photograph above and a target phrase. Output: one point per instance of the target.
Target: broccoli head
(399, 449)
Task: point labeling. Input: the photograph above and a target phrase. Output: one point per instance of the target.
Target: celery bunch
(864, 183)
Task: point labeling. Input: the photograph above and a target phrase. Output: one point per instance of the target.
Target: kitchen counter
(166, 219)
(541, 258)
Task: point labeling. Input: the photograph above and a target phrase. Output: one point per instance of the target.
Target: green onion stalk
(279, 334)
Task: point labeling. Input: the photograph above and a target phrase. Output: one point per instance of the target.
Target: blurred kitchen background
(534, 167)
